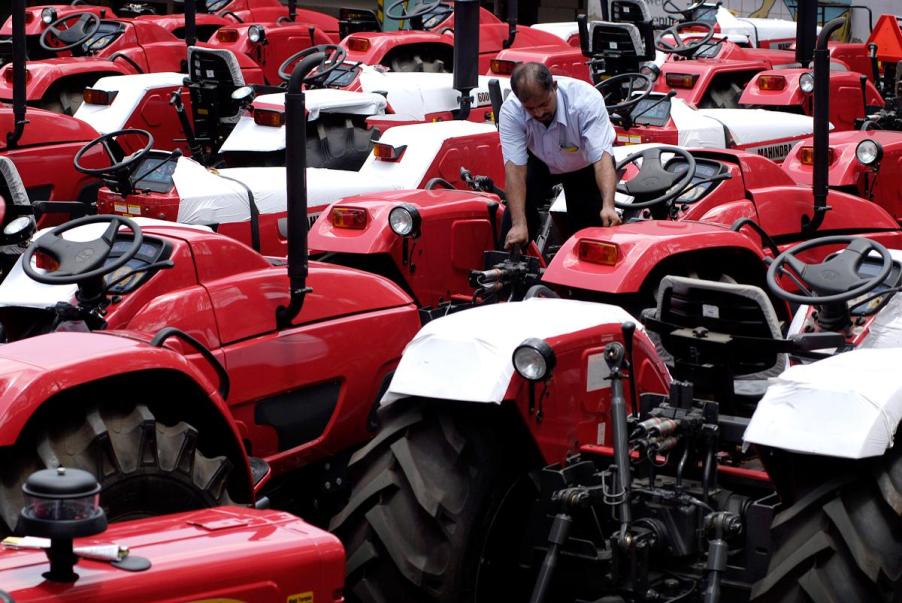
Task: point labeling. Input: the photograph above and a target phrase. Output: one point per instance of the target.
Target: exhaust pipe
(296, 189)
(191, 22)
(821, 126)
(466, 52)
(806, 30)
(512, 13)
(19, 58)
(293, 12)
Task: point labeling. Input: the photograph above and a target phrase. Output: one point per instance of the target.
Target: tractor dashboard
(127, 278)
(651, 111)
(106, 34)
(154, 173)
(703, 181)
(342, 76)
(873, 301)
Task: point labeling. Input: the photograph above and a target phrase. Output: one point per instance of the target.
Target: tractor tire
(145, 468)
(338, 144)
(426, 495)
(842, 541)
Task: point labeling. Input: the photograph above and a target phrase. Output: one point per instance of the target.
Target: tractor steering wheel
(618, 91)
(86, 25)
(653, 179)
(122, 164)
(80, 261)
(333, 57)
(680, 46)
(834, 280)
(397, 10)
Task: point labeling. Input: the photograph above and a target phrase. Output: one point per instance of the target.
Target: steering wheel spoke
(679, 44)
(654, 184)
(121, 163)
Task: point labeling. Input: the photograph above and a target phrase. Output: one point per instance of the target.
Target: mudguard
(846, 406)
(34, 370)
(44, 74)
(641, 247)
(130, 91)
(466, 356)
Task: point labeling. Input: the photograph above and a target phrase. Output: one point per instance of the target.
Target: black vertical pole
(466, 51)
(293, 10)
(806, 30)
(19, 58)
(191, 22)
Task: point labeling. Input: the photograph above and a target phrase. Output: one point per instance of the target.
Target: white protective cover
(757, 30)
(750, 126)
(562, 29)
(130, 89)
(846, 406)
(467, 356)
(248, 136)
(694, 128)
(206, 198)
(416, 94)
(17, 290)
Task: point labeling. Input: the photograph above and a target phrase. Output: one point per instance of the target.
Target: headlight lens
(48, 15)
(256, 34)
(806, 82)
(534, 359)
(404, 220)
(18, 226)
(868, 151)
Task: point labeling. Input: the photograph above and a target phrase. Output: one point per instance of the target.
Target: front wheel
(145, 468)
(435, 498)
(841, 541)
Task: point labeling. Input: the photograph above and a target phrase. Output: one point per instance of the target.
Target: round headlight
(650, 70)
(868, 151)
(48, 15)
(256, 34)
(404, 221)
(534, 359)
(18, 226)
(806, 82)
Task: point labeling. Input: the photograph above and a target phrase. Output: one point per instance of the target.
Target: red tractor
(69, 555)
(184, 369)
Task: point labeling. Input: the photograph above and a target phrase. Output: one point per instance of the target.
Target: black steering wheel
(216, 5)
(86, 25)
(121, 163)
(672, 9)
(834, 280)
(653, 179)
(398, 10)
(81, 261)
(618, 91)
(680, 46)
(333, 57)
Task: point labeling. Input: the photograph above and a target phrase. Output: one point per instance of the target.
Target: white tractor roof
(564, 29)
(749, 126)
(130, 90)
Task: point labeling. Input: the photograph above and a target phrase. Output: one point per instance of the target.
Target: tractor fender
(636, 250)
(49, 72)
(35, 372)
(467, 356)
(845, 406)
(130, 91)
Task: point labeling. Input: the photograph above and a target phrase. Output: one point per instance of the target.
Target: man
(555, 131)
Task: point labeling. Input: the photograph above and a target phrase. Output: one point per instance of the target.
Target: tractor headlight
(534, 359)
(20, 229)
(256, 34)
(405, 220)
(806, 82)
(48, 15)
(868, 151)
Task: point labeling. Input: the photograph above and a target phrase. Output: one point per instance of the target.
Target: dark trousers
(583, 198)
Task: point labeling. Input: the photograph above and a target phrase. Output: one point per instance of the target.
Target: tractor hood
(467, 356)
(845, 169)
(41, 75)
(758, 31)
(130, 91)
(45, 128)
(258, 555)
(846, 406)
(250, 136)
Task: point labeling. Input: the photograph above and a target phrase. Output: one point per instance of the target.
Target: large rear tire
(424, 513)
(338, 144)
(144, 467)
(842, 541)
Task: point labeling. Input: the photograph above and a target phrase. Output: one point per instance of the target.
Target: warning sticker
(306, 597)
(598, 373)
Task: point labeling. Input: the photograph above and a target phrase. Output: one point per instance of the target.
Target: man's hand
(517, 235)
(609, 217)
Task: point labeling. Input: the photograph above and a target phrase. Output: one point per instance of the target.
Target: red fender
(640, 248)
(34, 370)
(41, 75)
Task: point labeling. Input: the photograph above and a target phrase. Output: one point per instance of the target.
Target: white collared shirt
(580, 133)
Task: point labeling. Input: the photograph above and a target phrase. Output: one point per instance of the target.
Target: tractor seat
(15, 204)
(621, 40)
(724, 337)
(213, 75)
(12, 189)
(214, 64)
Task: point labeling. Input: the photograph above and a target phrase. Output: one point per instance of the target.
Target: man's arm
(606, 179)
(515, 181)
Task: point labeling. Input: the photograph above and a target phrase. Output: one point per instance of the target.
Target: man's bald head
(536, 90)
